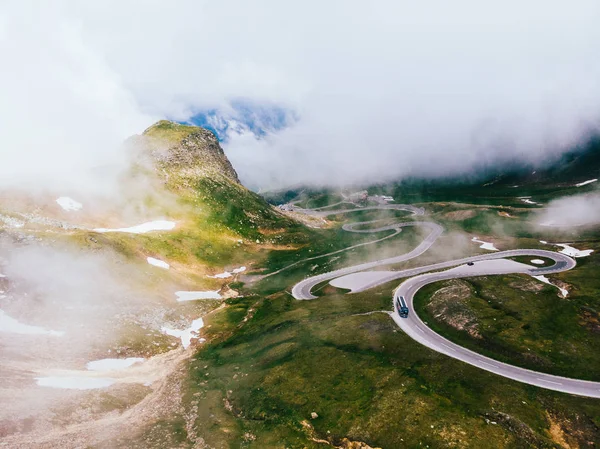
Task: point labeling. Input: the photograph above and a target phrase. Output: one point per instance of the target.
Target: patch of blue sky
(243, 115)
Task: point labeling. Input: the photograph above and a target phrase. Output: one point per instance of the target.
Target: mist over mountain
(390, 92)
(299, 224)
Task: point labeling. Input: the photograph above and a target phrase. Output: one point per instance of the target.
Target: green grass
(532, 329)
(322, 200)
(170, 131)
(527, 260)
(270, 361)
(326, 242)
(366, 380)
(219, 223)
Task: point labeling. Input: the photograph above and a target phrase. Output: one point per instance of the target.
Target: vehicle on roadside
(402, 307)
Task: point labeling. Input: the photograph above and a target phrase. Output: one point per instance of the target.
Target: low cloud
(64, 111)
(577, 210)
(376, 93)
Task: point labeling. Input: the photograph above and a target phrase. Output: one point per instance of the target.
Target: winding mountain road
(481, 265)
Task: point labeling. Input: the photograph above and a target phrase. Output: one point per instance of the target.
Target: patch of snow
(526, 200)
(192, 296)
(74, 383)
(574, 252)
(485, 245)
(537, 261)
(585, 183)
(158, 225)
(224, 275)
(158, 263)
(185, 335)
(69, 204)
(239, 270)
(544, 242)
(545, 280)
(13, 326)
(113, 364)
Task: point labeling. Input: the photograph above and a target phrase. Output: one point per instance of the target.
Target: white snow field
(224, 275)
(113, 364)
(158, 225)
(574, 252)
(527, 200)
(13, 326)
(193, 296)
(186, 335)
(545, 280)
(585, 183)
(227, 274)
(485, 245)
(69, 204)
(158, 263)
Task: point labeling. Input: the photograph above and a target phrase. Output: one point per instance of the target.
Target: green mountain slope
(223, 222)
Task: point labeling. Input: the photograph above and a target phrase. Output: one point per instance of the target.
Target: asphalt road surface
(485, 264)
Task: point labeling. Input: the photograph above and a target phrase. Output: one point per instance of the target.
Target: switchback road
(481, 265)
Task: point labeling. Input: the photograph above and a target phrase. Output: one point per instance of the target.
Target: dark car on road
(402, 307)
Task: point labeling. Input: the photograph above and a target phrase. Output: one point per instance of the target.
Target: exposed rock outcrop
(182, 154)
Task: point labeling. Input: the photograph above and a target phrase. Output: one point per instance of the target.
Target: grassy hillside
(271, 361)
(183, 174)
(276, 372)
(274, 361)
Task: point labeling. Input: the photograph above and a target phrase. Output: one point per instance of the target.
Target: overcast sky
(377, 89)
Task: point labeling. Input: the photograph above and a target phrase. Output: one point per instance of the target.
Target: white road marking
(418, 328)
(449, 347)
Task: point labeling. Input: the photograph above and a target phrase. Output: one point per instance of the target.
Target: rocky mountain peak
(189, 152)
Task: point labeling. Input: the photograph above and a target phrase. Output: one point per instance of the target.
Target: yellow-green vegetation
(522, 321)
(321, 200)
(170, 131)
(305, 258)
(482, 220)
(271, 362)
(183, 174)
